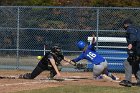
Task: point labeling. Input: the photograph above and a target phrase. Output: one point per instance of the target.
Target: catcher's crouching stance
(49, 62)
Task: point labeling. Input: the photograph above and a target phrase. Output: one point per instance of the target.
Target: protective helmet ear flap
(81, 45)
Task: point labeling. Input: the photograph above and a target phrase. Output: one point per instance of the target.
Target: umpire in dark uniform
(132, 64)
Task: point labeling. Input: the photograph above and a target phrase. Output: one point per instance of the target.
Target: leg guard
(32, 75)
(36, 72)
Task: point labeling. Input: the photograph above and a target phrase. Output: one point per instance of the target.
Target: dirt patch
(13, 85)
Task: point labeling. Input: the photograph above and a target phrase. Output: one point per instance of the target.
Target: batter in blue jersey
(91, 55)
(99, 63)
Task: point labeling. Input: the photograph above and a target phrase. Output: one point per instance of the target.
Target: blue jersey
(91, 55)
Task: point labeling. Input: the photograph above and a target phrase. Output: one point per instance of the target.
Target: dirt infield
(84, 78)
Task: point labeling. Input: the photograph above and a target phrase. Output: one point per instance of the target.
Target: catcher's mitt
(80, 66)
(77, 65)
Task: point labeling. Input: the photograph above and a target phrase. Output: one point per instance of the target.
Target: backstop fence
(27, 30)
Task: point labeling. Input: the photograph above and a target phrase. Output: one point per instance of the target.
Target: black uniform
(133, 37)
(131, 65)
(45, 64)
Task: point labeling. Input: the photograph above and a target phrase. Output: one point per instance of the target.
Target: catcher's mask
(56, 49)
(126, 23)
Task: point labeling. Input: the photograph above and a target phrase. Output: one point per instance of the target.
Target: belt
(98, 64)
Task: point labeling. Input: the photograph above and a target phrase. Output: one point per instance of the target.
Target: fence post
(97, 28)
(17, 50)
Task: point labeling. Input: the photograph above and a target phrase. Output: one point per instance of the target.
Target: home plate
(67, 78)
(116, 81)
(60, 79)
(70, 79)
(77, 77)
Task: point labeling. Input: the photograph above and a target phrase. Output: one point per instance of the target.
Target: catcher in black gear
(49, 62)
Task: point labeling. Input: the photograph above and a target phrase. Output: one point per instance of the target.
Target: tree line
(91, 3)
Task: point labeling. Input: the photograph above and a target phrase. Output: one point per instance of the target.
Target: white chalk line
(28, 83)
(40, 81)
(35, 82)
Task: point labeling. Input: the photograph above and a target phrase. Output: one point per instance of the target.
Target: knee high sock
(110, 75)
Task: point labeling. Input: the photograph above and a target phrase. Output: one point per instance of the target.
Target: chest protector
(45, 60)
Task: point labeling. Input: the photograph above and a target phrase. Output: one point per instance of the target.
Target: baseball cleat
(125, 83)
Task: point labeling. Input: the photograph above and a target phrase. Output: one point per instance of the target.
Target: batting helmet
(81, 45)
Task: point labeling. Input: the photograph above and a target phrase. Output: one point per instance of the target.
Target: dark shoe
(125, 83)
(138, 84)
(25, 76)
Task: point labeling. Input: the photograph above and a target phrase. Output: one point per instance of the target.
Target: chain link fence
(26, 31)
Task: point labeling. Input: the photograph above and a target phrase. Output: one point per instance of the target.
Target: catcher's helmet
(56, 49)
(81, 45)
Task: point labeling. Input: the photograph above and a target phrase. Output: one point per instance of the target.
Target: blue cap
(81, 45)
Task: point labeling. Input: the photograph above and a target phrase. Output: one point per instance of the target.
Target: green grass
(85, 89)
